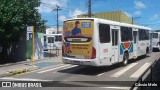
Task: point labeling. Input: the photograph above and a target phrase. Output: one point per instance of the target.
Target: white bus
(99, 42)
(52, 41)
(155, 40)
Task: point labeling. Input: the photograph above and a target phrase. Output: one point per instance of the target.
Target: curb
(23, 71)
(18, 72)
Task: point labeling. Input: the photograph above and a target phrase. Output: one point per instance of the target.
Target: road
(74, 77)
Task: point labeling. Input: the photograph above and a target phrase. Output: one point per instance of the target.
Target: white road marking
(100, 74)
(140, 70)
(46, 68)
(53, 69)
(71, 66)
(123, 70)
(123, 88)
(23, 79)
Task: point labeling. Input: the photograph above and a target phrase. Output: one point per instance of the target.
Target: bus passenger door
(135, 37)
(115, 39)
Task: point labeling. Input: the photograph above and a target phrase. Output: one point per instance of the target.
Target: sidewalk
(26, 66)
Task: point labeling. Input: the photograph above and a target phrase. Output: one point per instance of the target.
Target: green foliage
(15, 16)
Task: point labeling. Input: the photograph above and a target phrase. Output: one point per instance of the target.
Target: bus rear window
(78, 30)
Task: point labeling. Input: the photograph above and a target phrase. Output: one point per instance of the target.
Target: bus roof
(112, 23)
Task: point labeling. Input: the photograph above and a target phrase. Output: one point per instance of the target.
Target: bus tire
(125, 59)
(147, 50)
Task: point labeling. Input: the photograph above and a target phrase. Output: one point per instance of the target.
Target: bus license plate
(76, 62)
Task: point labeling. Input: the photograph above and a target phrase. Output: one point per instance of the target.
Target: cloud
(139, 5)
(156, 16)
(138, 12)
(48, 5)
(62, 18)
(73, 14)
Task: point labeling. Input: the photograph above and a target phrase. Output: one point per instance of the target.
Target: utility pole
(133, 19)
(57, 9)
(89, 9)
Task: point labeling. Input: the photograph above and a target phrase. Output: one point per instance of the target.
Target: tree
(15, 16)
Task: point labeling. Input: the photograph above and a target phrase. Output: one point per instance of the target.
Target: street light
(134, 18)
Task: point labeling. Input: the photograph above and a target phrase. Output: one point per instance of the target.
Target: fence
(48, 52)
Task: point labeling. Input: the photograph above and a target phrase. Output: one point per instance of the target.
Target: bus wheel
(125, 59)
(147, 50)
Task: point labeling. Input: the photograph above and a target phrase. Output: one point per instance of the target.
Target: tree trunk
(4, 55)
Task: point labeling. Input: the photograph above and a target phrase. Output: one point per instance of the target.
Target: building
(53, 30)
(118, 16)
(50, 31)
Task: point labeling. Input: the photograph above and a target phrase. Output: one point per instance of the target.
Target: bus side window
(126, 34)
(104, 33)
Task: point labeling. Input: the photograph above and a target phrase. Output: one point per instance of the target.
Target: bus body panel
(106, 52)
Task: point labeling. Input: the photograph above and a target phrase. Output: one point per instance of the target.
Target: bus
(52, 41)
(99, 42)
(155, 41)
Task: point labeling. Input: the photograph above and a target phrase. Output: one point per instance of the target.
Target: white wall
(38, 49)
(53, 30)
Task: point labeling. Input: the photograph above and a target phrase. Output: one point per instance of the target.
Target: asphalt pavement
(73, 77)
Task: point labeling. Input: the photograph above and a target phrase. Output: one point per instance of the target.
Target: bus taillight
(62, 51)
(93, 53)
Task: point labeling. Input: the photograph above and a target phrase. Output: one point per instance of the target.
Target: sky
(148, 11)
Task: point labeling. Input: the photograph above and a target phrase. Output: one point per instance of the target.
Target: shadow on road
(91, 70)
